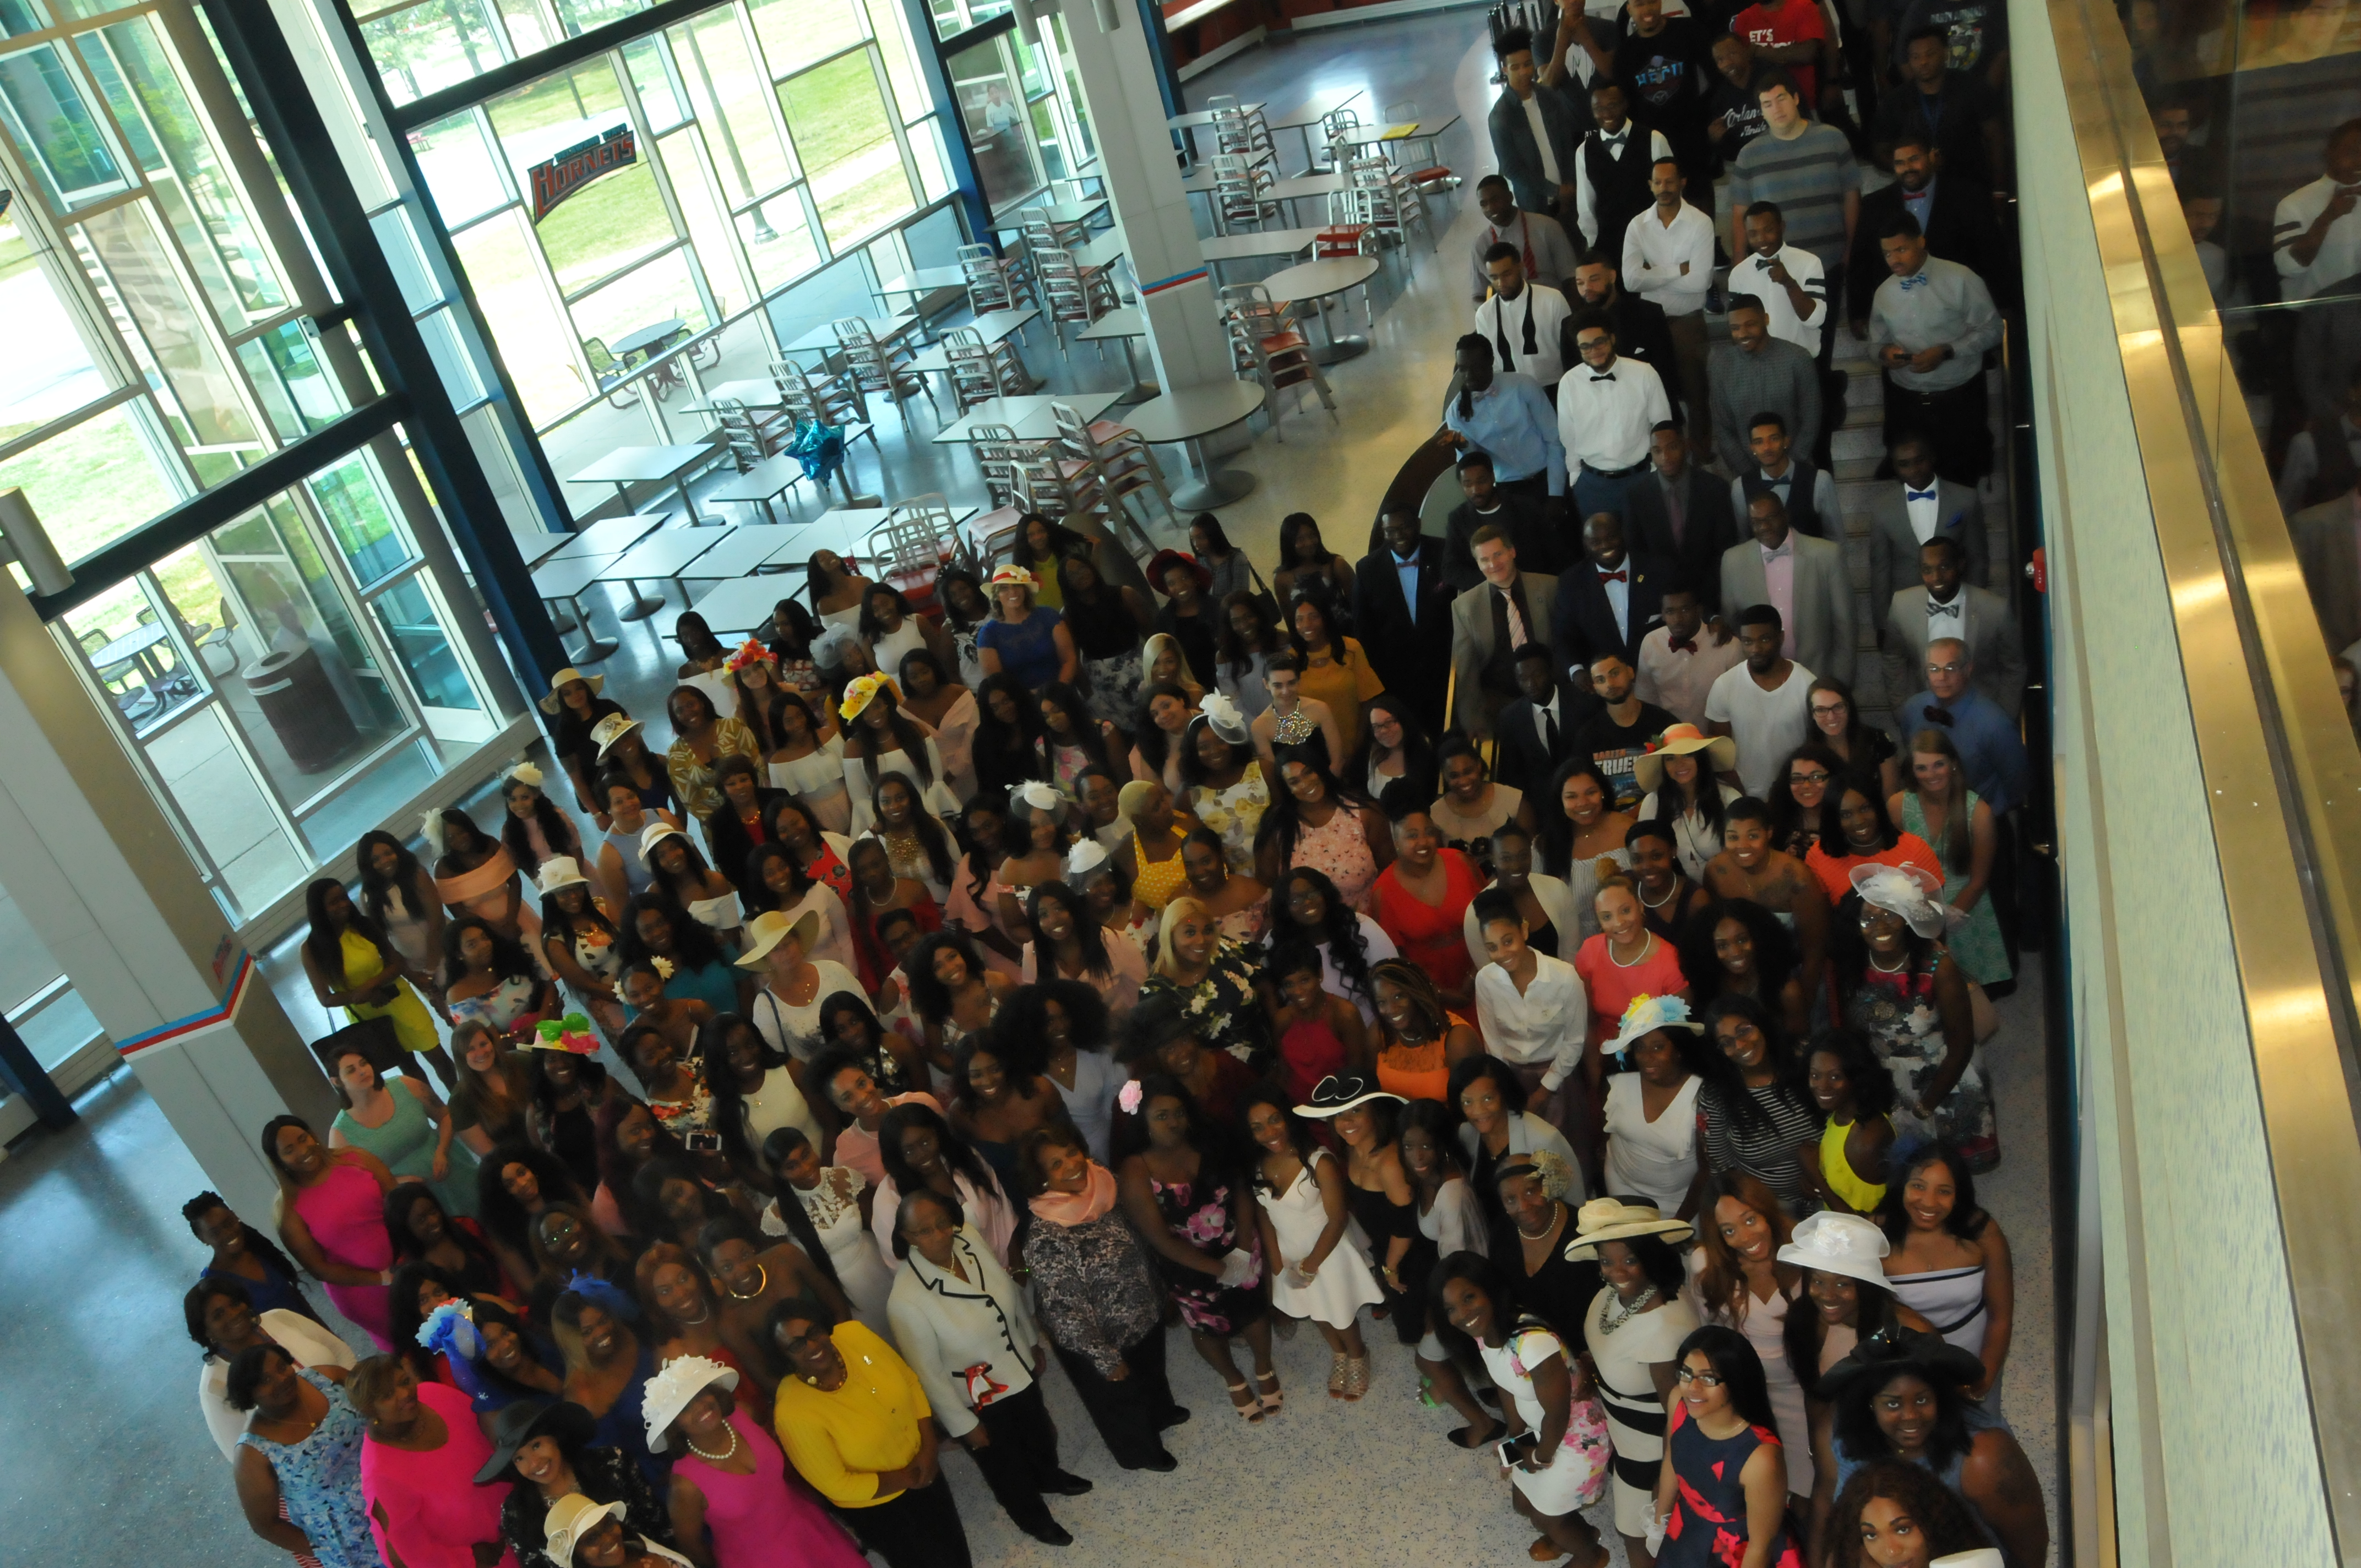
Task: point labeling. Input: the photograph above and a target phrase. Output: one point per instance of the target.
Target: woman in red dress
(1421, 900)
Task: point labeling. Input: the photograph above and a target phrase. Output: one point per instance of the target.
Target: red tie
(1683, 644)
(1614, 577)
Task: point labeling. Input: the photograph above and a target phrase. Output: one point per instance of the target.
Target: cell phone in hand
(1514, 1450)
(701, 1142)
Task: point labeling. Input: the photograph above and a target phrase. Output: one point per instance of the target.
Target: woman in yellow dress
(352, 965)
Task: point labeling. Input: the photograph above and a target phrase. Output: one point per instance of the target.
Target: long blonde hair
(1153, 650)
(1168, 964)
(1956, 844)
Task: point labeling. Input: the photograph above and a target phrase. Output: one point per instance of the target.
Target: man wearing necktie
(1488, 624)
(1611, 600)
(1946, 605)
(1607, 407)
(1914, 508)
(1930, 327)
(1681, 659)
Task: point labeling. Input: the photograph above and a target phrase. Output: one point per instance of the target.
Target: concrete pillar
(103, 880)
(1122, 91)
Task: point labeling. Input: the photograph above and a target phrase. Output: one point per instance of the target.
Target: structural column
(103, 881)
(1124, 90)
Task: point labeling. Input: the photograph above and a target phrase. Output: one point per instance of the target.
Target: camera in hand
(701, 1142)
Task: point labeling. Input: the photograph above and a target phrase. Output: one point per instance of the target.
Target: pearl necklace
(1617, 1312)
(1897, 968)
(1666, 899)
(721, 1458)
(737, 1295)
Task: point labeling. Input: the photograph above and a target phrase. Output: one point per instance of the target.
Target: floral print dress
(1201, 1214)
(1905, 1025)
(1228, 1013)
(1234, 813)
(1339, 851)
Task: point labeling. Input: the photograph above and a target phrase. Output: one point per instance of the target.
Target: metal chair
(914, 543)
(822, 397)
(1041, 235)
(1070, 294)
(1335, 125)
(1265, 344)
(1391, 204)
(1056, 484)
(876, 369)
(1421, 168)
(133, 701)
(980, 374)
(1346, 235)
(1242, 132)
(996, 453)
(994, 282)
(606, 369)
(1241, 194)
(1123, 464)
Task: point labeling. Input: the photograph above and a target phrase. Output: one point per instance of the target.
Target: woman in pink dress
(1316, 821)
(729, 1483)
(420, 1468)
(332, 1217)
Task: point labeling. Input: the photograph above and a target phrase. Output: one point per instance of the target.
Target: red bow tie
(1614, 577)
(1683, 644)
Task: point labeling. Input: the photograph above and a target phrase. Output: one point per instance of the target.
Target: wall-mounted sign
(578, 165)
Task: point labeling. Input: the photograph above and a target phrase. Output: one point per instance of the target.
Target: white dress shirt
(1544, 715)
(1824, 495)
(1623, 144)
(1948, 620)
(1678, 680)
(1752, 275)
(1670, 266)
(2340, 248)
(1921, 507)
(1604, 417)
(1499, 320)
(1542, 139)
(1618, 589)
(1407, 571)
(1548, 1024)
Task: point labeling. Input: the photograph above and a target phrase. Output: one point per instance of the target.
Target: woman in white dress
(1737, 1280)
(1450, 1217)
(885, 742)
(833, 1200)
(1316, 1272)
(1680, 779)
(1633, 1330)
(810, 763)
(1651, 1122)
(1557, 1442)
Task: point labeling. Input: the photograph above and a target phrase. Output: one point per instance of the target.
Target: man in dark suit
(1611, 600)
(1954, 213)
(1534, 535)
(1913, 496)
(1401, 604)
(1641, 333)
(1537, 731)
(1680, 514)
(1540, 169)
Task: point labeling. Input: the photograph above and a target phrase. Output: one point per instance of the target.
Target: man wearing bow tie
(1524, 319)
(1930, 327)
(1611, 170)
(1680, 660)
(1990, 748)
(1944, 605)
(1605, 408)
(1608, 601)
(1917, 507)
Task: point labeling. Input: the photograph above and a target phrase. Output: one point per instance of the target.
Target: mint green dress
(406, 1143)
(1976, 947)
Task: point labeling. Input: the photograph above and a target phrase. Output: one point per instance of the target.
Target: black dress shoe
(1066, 1485)
(1052, 1534)
(1173, 1416)
(1162, 1464)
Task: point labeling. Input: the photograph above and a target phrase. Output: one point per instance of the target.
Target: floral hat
(862, 691)
(1645, 1015)
(750, 651)
(1222, 714)
(1683, 741)
(1015, 576)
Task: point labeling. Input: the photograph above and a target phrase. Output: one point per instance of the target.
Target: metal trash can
(303, 710)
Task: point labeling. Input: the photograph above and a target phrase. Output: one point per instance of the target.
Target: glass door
(992, 108)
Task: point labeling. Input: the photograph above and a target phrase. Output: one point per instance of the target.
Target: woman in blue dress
(1022, 639)
(299, 1460)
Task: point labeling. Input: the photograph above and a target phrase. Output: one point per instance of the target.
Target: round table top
(1193, 411)
(1317, 280)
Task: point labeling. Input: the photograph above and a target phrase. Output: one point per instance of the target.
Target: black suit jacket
(1523, 763)
(1538, 547)
(1583, 623)
(1711, 529)
(1409, 645)
(1961, 228)
(1641, 333)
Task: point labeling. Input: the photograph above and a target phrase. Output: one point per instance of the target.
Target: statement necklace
(1616, 1313)
(761, 1269)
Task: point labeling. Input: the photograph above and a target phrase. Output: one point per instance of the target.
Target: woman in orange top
(1421, 901)
(1870, 839)
(1418, 1039)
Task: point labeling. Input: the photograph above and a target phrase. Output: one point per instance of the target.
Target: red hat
(1164, 560)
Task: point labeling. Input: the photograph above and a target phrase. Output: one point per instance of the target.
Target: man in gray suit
(1506, 611)
(1915, 509)
(1944, 605)
(1803, 577)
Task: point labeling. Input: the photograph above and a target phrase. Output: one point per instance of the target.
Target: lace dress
(1234, 813)
(1203, 1214)
(834, 1208)
(1340, 851)
(320, 1481)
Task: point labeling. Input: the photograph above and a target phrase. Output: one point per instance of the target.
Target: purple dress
(765, 1520)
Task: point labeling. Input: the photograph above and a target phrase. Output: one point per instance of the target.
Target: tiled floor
(102, 1455)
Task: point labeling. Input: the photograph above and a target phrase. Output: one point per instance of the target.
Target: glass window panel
(133, 651)
(420, 648)
(461, 176)
(729, 95)
(838, 119)
(660, 98)
(50, 369)
(397, 237)
(992, 107)
(128, 261)
(893, 35)
(528, 33)
(530, 333)
(845, 288)
(297, 393)
(660, 292)
(426, 48)
(1028, 65)
(934, 169)
(1045, 137)
(200, 767)
(617, 218)
(452, 361)
(94, 483)
(1087, 147)
(195, 189)
(360, 520)
(581, 15)
(794, 33)
(17, 18)
(775, 239)
(60, 138)
(709, 230)
(934, 240)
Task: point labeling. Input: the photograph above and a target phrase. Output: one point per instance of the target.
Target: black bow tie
(1941, 716)
(1614, 139)
(1934, 607)
(1609, 376)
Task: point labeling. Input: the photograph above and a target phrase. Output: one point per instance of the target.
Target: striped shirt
(1809, 179)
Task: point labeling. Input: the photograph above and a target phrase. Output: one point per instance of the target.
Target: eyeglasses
(1821, 777)
(1944, 669)
(1703, 1379)
(1827, 709)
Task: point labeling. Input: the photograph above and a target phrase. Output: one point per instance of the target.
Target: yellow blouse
(1843, 1180)
(840, 1439)
(1344, 685)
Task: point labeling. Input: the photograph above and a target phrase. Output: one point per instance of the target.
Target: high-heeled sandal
(1356, 1376)
(1272, 1401)
(1337, 1376)
(1252, 1409)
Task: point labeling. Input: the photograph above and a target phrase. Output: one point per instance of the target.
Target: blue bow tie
(1915, 281)
(1910, 495)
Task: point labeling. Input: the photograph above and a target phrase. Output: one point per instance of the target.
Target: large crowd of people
(1517, 940)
